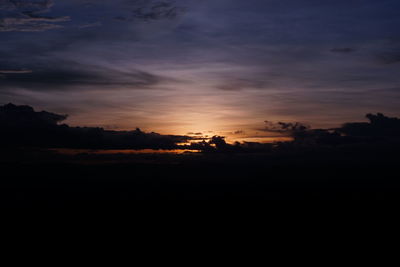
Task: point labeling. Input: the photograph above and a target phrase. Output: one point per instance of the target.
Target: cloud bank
(23, 127)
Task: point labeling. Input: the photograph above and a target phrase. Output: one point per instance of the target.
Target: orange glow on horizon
(73, 152)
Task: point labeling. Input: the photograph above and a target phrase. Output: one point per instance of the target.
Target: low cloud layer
(22, 126)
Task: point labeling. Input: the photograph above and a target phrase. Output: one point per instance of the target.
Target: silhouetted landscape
(357, 161)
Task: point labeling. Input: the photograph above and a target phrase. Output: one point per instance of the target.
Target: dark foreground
(32, 178)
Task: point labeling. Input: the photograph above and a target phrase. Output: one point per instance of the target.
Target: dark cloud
(389, 57)
(380, 132)
(379, 125)
(22, 126)
(217, 144)
(15, 71)
(76, 75)
(287, 128)
(151, 10)
(191, 133)
(343, 50)
(26, 16)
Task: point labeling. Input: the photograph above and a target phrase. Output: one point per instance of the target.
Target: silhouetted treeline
(22, 126)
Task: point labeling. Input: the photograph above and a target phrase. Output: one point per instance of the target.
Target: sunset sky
(202, 66)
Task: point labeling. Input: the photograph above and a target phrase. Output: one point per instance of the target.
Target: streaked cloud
(26, 16)
(15, 71)
(76, 76)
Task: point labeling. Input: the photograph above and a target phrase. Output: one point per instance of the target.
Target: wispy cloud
(69, 76)
(26, 16)
(22, 71)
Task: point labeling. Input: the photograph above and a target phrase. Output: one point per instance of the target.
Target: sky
(202, 66)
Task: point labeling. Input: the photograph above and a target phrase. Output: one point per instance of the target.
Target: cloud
(197, 134)
(268, 57)
(153, 10)
(379, 125)
(380, 132)
(288, 128)
(26, 5)
(22, 126)
(380, 129)
(22, 71)
(72, 76)
(389, 57)
(343, 50)
(25, 16)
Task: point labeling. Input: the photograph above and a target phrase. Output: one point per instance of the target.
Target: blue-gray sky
(210, 66)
